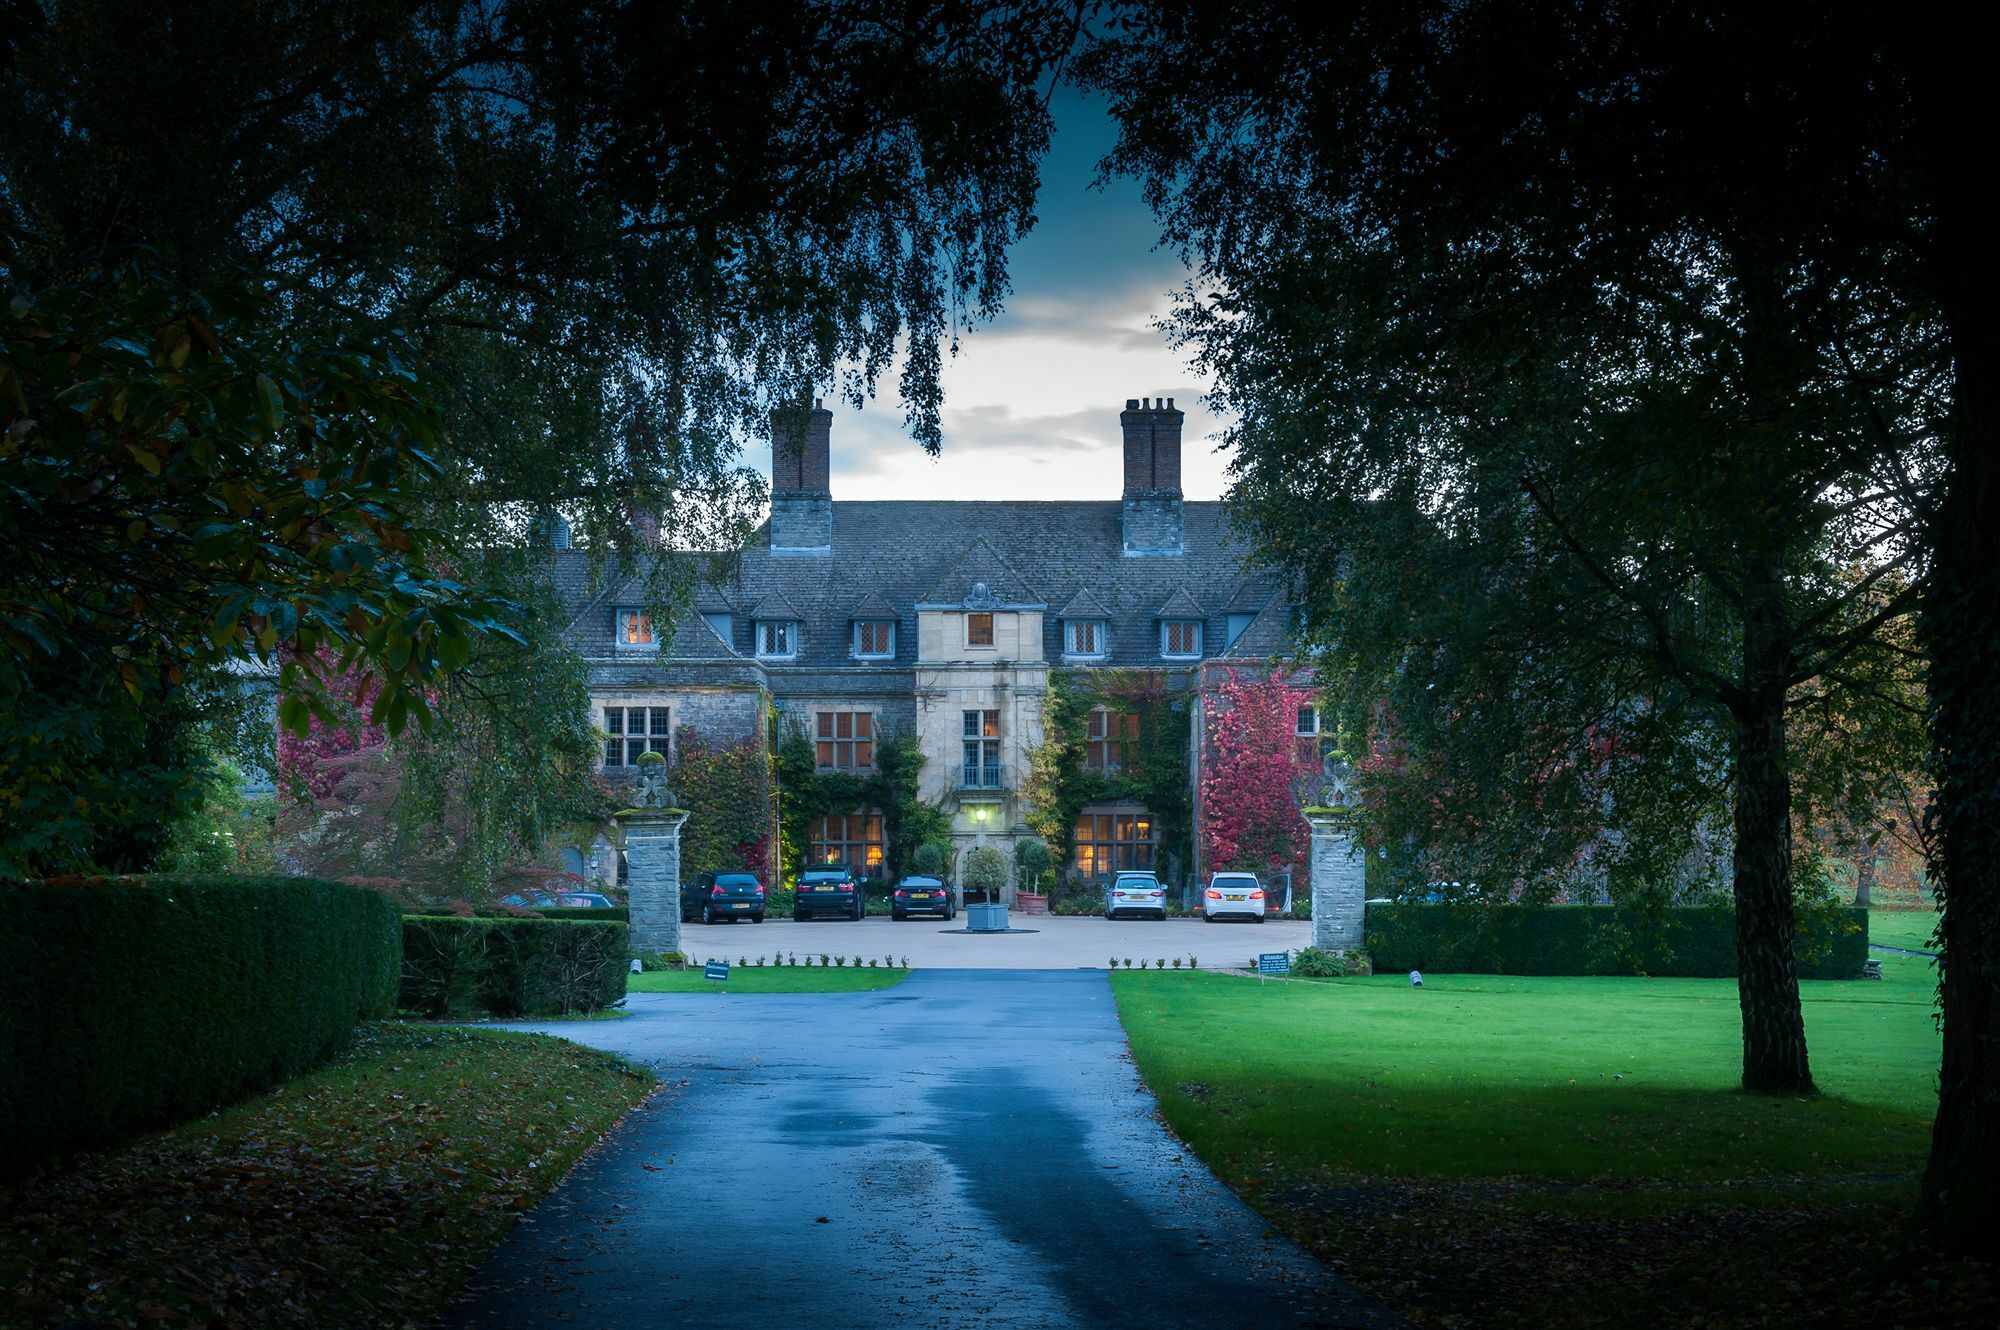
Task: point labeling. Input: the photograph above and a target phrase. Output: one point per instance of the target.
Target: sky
(1032, 398)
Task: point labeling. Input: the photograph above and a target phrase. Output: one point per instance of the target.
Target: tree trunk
(1767, 970)
(1960, 628)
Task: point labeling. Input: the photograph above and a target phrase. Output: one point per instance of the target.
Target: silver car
(1239, 894)
(1135, 893)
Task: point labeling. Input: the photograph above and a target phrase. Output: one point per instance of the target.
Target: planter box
(1032, 902)
(986, 918)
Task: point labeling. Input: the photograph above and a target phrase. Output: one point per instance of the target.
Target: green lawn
(770, 979)
(1482, 1150)
(362, 1194)
(1569, 1079)
(1910, 929)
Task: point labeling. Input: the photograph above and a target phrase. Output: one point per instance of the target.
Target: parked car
(828, 889)
(559, 900)
(1234, 894)
(1135, 893)
(921, 895)
(713, 897)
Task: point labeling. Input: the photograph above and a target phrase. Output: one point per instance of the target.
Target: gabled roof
(1249, 599)
(1181, 605)
(696, 639)
(1084, 605)
(774, 605)
(1268, 635)
(874, 605)
(980, 579)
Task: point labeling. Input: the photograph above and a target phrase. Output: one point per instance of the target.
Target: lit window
(1180, 637)
(979, 630)
(1108, 843)
(1110, 732)
(777, 637)
(854, 840)
(630, 731)
(845, 740)
(635, 631)
(1086, 637)
(875, 639)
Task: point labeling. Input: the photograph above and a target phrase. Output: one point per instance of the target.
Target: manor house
(855, 620)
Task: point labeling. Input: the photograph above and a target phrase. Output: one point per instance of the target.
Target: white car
(1233, 893)
(1135, 893)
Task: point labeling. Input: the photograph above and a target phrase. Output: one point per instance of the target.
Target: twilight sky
(1032, 399)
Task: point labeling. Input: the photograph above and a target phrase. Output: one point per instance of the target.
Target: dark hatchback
(921, 895)
(828, 889)
(713, 897)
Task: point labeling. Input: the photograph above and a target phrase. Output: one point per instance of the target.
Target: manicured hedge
(1693, 941)
(129, 1004)
(454, 966)
(604, 914)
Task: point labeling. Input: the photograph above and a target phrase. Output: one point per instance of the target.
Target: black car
(921, 895)
(829, 889)
(713, 897)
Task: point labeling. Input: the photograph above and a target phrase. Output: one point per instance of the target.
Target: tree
(1587, 438)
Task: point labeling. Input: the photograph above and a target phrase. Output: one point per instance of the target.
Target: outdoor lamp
(979, 813)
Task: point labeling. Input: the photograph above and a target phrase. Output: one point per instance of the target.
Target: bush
(1031, 859)
(927, 860)
(511, 967)
(1317, 963)
(985, 870)
(1690, 941)
(135, 1003)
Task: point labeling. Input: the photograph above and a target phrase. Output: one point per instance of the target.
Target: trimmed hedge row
(1690, 941)
(132, 1004)
(454, 966)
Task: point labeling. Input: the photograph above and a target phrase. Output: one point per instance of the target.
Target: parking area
(1053, 944)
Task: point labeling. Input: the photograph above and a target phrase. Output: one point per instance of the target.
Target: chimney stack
(801, 497)
(1152, 507)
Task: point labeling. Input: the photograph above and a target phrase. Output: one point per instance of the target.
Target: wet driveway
(969, 1148)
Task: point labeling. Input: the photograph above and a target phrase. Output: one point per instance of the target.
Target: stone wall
(1339, 885)
(653, 867)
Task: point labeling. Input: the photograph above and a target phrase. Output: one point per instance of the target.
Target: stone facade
(653, 859)
(938, 619)
(1339, 884)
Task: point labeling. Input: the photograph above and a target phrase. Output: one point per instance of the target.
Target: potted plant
(1031, 862)
(985, 872)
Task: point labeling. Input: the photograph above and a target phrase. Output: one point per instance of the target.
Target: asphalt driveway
(969, 1148)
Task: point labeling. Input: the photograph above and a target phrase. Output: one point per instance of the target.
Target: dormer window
(979, 630)
(1084, 637)
(1180, 639)
(634, 631)
(777, 638)
(874, 639)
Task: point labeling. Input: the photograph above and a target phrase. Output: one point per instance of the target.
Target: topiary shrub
(1032, 862)
(135, 1003)
(985, 871)
(927, 860)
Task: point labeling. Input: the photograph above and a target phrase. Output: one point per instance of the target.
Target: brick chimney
(801, 498)
(1152, 510)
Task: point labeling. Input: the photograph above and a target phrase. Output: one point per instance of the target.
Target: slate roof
(1031, 553)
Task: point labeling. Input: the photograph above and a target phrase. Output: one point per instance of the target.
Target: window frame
(855, 642)
(829, 742)
(979, 747)
(1102, 631)
(977, 616)
(824, 848)
(1167, 627)
(790, 628)
(1107, 735)
(1120, 841)
(619, 618)
(656, 738)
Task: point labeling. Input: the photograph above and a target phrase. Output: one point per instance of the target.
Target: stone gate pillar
(1339, 886)
(653, 873)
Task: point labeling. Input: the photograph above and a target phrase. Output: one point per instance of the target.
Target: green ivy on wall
(1153, 771)
(727, 792)
(810, 794)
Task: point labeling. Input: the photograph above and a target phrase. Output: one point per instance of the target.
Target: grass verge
(1510, 1152)
(361, 1194)
(769, 979)
(1908, 929)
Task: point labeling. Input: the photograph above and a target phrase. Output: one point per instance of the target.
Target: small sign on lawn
(716, 970)
(1270, 963)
